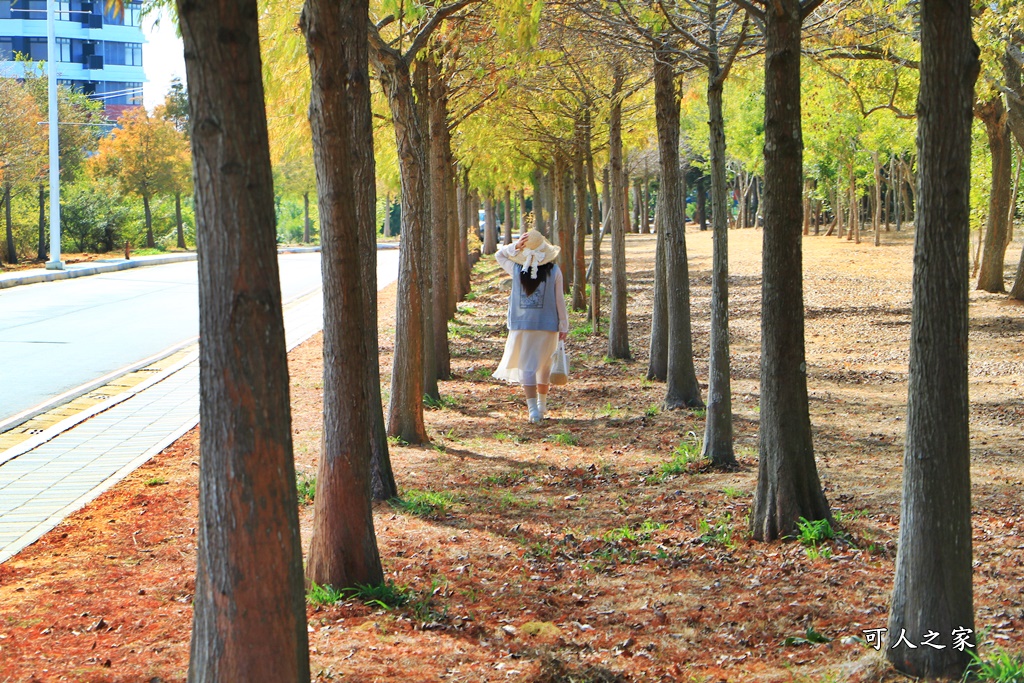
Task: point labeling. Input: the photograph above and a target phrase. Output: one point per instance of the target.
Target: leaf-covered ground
(594, 547)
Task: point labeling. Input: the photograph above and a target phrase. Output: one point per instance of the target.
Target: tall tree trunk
(150, 242)
(618, 329)
(506, 232)
(441, 246)
(490, 225)
(579, 242)
(682, 389)
(932, 590)
(178, 222)
(638, 207)
(421, 87)
(876, 221)
(558, 221)
(343, 550)
(854, 231)
(657, 366)
(539, 221)
(385, 229)
(41, 249)
(405, 410)
(595, 238)
(521, 204)
(788, 486)
(645, 220)
(718, 432)
(12, 252)
(993, 115)
(249, 595)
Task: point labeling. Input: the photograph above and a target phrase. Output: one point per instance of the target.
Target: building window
(33, 10)
(36, 49)
(133, 14)
(5, 9)
(113, 53)
(6, 49)
(64, 49)
(133, 54)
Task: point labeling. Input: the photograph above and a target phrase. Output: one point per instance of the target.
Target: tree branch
(755, 12)
(809, 6)
(440, 15)
(724, 73)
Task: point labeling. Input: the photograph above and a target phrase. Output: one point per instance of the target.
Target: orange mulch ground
(571, 551)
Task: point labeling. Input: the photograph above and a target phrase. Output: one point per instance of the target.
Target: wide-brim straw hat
(536, 252)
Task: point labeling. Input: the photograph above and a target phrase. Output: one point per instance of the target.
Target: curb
(73, 272)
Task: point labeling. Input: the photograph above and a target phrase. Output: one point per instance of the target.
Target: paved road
(60, 335)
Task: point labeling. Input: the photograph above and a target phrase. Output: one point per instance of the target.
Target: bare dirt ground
(569, 551)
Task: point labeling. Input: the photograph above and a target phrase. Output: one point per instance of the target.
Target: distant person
(537, 318)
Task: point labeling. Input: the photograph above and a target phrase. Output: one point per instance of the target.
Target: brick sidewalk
(46, 482)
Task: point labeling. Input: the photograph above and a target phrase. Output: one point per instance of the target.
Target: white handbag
(560, 365)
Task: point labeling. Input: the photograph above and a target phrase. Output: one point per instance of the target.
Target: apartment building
(99, 53)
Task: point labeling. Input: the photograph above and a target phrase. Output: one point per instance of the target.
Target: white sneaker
(534, 407)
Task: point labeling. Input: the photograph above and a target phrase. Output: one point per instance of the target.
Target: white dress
(527, 357)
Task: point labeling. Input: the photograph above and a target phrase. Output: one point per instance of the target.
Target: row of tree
(440, 68)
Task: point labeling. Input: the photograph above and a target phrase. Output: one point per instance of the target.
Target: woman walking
(537, 318)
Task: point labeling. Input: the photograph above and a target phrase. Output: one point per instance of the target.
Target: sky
(162, 58)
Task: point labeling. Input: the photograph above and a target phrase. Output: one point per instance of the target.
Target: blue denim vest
(537, 311)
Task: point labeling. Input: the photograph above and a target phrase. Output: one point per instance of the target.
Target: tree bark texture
(148, 211)
(249, 595)
(876, 218)
(682, 389)
(405, 410)
(579, 242)
(718, 433)
(490, 225)
(618, 328)
(657, 367)
(440, 265)
(343, 550)
(788, 487)
(993, 115)
(421, 88)
(595, 237)
(506, 228)
(932, 589)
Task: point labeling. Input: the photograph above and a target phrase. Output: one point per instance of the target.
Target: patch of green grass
(564, 439)
(640, 534)
(718, 532)
(509, 436)
(733, 492)
(305, 485)
(811, 533)
(156, 481)
(810, 637)
(387, 595)
(479, 373)
(609, 411)
(460, 330)
(848, 516)
(423, 503)
(699, 413)
(440, 402)
(505, 479)
(608, 360)
(685, 455)
(470, 296)
(581, 330)
(397, 441)
(464, 309)
(652, 410)
(323, 595)
(999, 667)
(815, 552)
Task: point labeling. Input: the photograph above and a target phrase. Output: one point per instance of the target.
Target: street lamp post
(51, 88)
